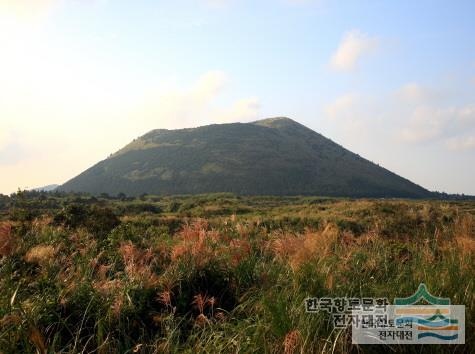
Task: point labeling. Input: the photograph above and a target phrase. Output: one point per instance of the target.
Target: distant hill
(276, 156)
(48, 188)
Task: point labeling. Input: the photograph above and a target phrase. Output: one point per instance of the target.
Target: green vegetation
(218, 273)
(268, 157)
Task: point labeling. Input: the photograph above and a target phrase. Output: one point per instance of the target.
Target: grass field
(219, 273)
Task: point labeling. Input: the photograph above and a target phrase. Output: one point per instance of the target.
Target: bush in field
(72, 216)
(174, 207)
(97, 220)
(22, 214)
(138, 208)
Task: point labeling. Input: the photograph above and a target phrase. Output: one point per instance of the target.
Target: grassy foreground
(219, 273)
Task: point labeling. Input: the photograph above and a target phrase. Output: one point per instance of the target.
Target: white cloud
(242, 110)
(411, 114)
(425, 123)
(353, 119)
(198, 105)
(354, 45)
(415, 93)
(342, 106)
(461, 143)
(430, 122)
(208, 86)
(466, 114)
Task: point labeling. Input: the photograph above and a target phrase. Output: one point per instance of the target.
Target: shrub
(97, 220)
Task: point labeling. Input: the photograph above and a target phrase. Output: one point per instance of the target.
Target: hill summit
(275, 156)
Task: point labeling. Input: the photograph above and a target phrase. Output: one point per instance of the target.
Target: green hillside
(276, 156)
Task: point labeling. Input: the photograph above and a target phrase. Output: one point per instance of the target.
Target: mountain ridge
(48, 188)
(275, 156)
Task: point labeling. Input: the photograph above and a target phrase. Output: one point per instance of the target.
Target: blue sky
(391, 80)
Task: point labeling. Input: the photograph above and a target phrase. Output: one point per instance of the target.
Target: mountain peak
(275, 122)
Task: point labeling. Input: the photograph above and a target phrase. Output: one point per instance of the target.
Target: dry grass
(165, 297)
(298, 249)
(41, 254)
(239, 249)
(7, 242)
(37, 338)
(138, 264)
(41, 222)
(197, 243)
(292, 342)
(464, 234)
(10, 320)
(107, 287)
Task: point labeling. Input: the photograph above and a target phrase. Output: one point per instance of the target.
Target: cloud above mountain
(198, 104)
(412, 114)
(353, 47)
